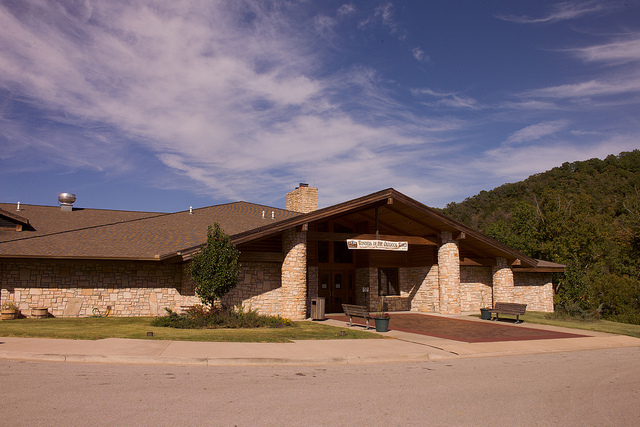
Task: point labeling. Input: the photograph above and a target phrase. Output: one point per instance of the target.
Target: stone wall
(535, 290)
(475, 288)
(425, 292)
(259, 288)
(76, 288)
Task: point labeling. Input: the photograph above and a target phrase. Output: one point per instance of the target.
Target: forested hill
(582, 214)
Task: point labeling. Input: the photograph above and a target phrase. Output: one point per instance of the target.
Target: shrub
(573, 310)
(219, 317)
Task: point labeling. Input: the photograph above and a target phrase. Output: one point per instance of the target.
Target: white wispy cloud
(613, 85)
(217, 94)
(528, 104)
(448, 99)
(614, 53)
(235, 100)
(518, 162)
(419, 54)
(559, 12)
(346, 9)
(383, 16)
(536, 132)
(623, 81)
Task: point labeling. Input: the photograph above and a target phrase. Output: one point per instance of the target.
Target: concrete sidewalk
(398, 347)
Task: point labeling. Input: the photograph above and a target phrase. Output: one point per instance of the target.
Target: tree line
(585, 215)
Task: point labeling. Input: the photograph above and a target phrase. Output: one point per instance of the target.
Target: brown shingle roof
(91, 233)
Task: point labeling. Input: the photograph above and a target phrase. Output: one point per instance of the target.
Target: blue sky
(162, 105)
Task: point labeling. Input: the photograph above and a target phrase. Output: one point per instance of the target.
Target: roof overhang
(20, 222)
(402, 207)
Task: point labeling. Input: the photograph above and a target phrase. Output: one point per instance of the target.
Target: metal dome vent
(66, 201)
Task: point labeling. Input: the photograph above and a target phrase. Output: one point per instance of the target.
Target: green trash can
(485, 314)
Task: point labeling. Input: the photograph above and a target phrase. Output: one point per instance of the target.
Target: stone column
(503, 286)
(294, 275)
(449, 274)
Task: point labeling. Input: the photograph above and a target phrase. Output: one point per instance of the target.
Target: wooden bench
(356, 311)
(511, 308)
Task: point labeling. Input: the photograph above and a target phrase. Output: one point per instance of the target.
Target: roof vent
(66, 201)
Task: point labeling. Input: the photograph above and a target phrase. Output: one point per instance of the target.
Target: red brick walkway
(463, 330)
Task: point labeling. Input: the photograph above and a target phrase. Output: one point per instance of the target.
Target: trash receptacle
(485, 314)
(317, 309)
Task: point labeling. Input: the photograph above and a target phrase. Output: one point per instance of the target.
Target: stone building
(381, 247)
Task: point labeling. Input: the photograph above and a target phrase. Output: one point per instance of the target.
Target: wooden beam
(330, 237)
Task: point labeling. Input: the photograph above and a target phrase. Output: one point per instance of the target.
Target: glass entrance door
(337, 288)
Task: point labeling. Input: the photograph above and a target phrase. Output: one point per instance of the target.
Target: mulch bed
(462, 330)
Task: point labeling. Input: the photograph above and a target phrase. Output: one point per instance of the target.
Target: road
(599, 387)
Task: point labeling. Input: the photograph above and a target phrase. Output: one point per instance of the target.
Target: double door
(337, 287)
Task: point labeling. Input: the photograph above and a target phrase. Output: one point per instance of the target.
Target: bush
(200, 317)
(215, 268)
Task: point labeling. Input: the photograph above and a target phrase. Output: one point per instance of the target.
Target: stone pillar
(294, 275)
(449, 274)
(503, 285)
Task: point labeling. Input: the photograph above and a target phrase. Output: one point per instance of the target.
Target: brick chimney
(303, 199)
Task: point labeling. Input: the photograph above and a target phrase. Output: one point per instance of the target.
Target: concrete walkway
(398, 347)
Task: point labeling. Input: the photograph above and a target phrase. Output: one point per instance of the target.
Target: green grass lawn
(589, 325)
(92, 328)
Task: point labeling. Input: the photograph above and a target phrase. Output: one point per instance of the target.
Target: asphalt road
(599, 387)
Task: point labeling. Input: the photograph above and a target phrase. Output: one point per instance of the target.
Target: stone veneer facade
(76, 288)
(476, 289)
(420, 289)
(535, 290)
(259, 288)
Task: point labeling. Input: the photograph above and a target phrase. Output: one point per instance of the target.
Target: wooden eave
(84, 258)
(20, 222)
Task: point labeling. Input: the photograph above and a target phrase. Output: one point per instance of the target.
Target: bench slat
(356, 311)
(511, 308)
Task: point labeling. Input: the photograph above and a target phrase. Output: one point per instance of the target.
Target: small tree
(215, 268)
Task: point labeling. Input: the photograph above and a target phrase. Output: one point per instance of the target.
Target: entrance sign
(381, 245)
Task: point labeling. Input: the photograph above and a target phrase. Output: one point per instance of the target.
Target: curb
(212, 361)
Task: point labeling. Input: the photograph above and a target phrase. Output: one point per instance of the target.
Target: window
(388, 281)
(323, 251)
(341, 253)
